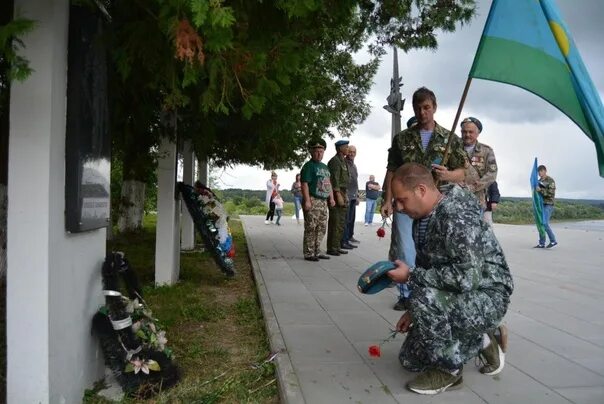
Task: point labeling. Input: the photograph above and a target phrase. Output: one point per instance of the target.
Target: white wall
(53, 278)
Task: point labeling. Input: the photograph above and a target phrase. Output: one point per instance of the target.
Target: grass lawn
(213, 324)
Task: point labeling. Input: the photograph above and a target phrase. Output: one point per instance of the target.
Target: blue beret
(374, 279)
(342, 142)
(412, 121)
(473, 120)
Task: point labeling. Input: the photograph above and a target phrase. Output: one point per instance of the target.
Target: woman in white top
(272, 189)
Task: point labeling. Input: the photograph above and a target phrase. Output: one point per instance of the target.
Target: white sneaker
(366, 224)
(266, 222)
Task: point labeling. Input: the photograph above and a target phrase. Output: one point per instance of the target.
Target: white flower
(132, 305)
(140, 365)
(136, 326)
(161, 340)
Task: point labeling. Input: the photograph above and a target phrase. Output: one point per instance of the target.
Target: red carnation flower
(381, 232)
(375, 351)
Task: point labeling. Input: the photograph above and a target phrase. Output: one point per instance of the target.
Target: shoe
(540, 246)
(402, 304)
(322, 257)
(434, 381)
(278, 224)
(366, 224)
(501, 335)
(266, 222)
(334, 253)
(315, 259)
(349, 244)
(347, 247)
(343, 252)
(552, 244)
(492, 356)
(354, 240)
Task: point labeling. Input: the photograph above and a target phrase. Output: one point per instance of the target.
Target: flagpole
(467, 87)
(452, 133)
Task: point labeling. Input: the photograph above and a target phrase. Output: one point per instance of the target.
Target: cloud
(518, 125)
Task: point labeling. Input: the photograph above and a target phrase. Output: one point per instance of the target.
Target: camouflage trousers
(447, 327)
(335, 231)
(315, 226)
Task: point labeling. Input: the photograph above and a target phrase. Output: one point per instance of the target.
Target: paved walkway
(323, 326)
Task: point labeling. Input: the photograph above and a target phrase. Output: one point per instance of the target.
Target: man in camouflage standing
(482, 171)
(547, 189)
(423, 142)
(461, 284)
(316, 194)
(337, 214)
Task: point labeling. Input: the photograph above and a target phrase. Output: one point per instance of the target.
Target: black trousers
(271, 211)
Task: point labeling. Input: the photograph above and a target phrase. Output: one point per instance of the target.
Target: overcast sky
(517, 124)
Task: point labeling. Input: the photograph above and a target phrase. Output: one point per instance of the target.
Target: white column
(167, 237)
(187, 240)
(202, 170)
(53, 278)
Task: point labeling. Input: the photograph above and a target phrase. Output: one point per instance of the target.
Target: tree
(251, 81)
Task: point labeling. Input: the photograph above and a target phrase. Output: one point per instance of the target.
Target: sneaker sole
(501, 363)
(453, 386)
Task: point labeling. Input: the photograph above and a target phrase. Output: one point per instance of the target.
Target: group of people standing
(329, 188)
(274, 201)
(455, 283)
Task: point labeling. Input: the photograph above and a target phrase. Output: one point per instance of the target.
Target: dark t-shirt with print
(316, 175)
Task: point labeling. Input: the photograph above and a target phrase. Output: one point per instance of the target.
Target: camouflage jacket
(481, 172)
(460, 253)
(338, 170)
(407, 148)
(547, 188)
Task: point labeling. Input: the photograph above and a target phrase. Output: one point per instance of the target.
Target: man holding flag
(546, 186)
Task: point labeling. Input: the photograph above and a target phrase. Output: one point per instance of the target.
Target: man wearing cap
(337, 214)
(461, 284)
(424, 141)
(482, 170)
(317, 194)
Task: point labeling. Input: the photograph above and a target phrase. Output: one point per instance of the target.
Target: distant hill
(593, 202)
(513, 210)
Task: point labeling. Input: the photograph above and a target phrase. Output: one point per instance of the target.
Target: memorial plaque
(87, 144)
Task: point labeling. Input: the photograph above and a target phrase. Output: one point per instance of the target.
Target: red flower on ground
(375, 351)
(381, 232)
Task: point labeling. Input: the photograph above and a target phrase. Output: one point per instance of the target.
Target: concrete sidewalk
(322, 326)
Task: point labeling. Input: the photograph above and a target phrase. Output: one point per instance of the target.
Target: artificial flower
(375, 351)
(381, 232)
(138, 365)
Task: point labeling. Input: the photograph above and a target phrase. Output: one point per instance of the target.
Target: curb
(289, 386)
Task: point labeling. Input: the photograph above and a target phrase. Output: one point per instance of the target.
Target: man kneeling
(461, 284)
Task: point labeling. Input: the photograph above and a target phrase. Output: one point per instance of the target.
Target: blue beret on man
(375, 278)
(342, 142)
(473, 120)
